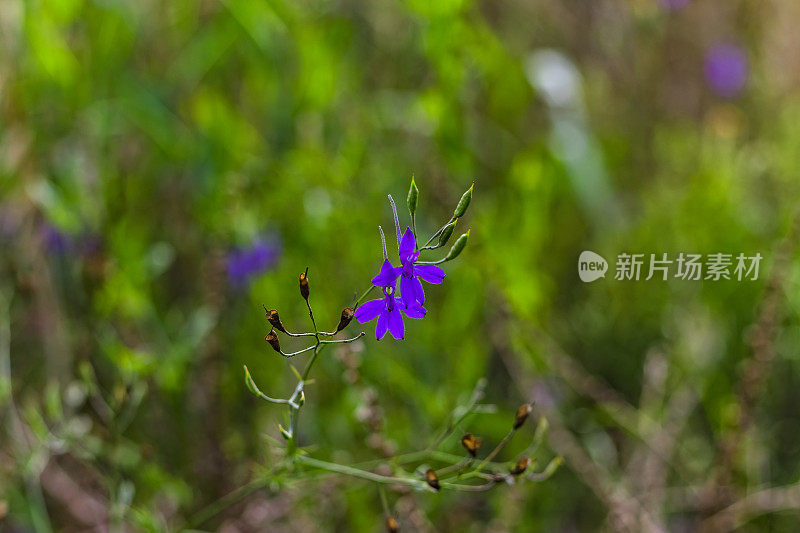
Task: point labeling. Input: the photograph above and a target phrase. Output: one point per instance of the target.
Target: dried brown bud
(275, 319)
(520, 467)
(347, 316)
(432, 479)
(304, 289)
(471, 443)
(391, 525)
(522, 415)
(272, 339)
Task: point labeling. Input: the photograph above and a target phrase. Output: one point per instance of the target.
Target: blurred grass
(157, 137)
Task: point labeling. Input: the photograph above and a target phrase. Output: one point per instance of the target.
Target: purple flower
(726, 69)
(410, 287)
(244, 263)
(674, 5)
(387, 310)
(56, 242)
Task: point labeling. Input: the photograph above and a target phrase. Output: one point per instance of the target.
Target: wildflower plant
(402, 295)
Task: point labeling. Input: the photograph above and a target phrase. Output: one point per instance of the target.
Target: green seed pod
(413, 195)
(458, 247)
(447, 232)
(461, 208)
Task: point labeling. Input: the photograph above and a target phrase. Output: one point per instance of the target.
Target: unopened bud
(284, 432)
(413, 195)
(432, 479)
(347, 316)
(272, 339)
(274, 319)
(391, 525)
(304, 288)
(458, 247)
(301, 401)
(521, 466)
(471, 443)
(522, 415)
(447, 232)
(466, 198)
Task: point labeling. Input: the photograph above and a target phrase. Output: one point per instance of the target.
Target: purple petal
(383, 324)
(396, 325)
(414, 311)
(387, 276)
(407, 244)
(407, 291)
(369, 310)
(419, 294)
(430, 273)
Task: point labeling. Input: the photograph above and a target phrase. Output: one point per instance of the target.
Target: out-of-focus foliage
(167, 167)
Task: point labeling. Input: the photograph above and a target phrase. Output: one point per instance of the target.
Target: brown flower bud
(347, 316)
(392, 525)
(274, 319)
(272, 339)
(304, 289)
(520, 467)
(522, 415)
(471, 443)
(432, 479)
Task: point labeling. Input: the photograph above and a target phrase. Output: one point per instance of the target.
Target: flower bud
(274, 319)
(347, 316)
(284, 432)
(471, 443)
(522, 415)
(272, 339)
(521, 466)
(392, 525)
(458, 247)
(432, 479)
(304, 288)
(301, 401)
(413, 195)
(461, 208)
(447, 232)
(251, 385)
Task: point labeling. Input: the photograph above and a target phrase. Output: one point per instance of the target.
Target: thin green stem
(362, 474)
(342, 341)
(364, 295)
(304, 350)
(496, 450)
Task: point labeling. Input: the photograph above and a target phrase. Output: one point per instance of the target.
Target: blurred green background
(168, 167)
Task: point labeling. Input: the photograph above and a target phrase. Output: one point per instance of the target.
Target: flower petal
(407, 245)
(414, 311)
(387, 276)
(430, 273)
(369, 310)
(383, 324)
(419, 294)
(407, 290)
(396, 326)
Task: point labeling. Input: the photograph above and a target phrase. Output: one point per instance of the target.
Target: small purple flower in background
(410, 286)
(726, 69)
(387, 310)
(55, 241)
(245, 263)
(673, 5)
